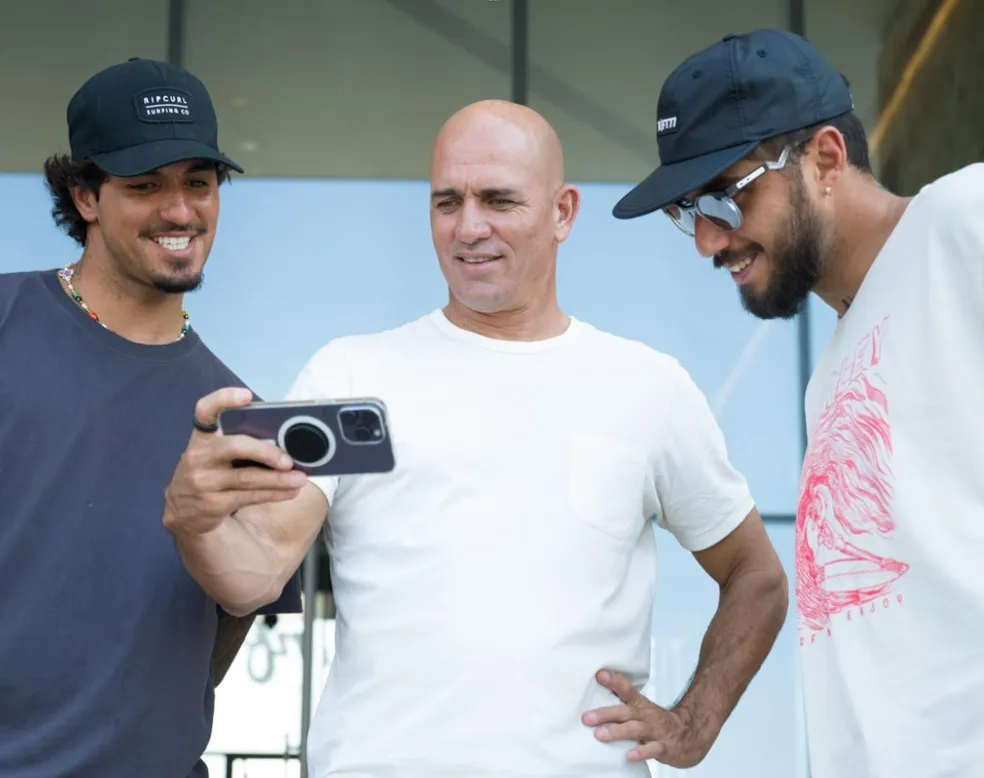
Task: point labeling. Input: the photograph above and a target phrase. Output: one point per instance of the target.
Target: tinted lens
(681, 217)
(720, 211)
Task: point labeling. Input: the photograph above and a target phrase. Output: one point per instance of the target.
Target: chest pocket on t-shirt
(607, 484)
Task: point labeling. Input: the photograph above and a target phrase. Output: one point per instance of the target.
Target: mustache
(728, 257)
(195, 228)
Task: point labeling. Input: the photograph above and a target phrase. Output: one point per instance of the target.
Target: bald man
(495, 591)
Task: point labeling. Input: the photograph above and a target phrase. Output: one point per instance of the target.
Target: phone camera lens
(305, 443)
(361, 425)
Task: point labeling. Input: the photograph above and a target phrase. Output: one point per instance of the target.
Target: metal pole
(175, 32)
(310, 574)
(797, 24)
(797, 17)
(519, 48)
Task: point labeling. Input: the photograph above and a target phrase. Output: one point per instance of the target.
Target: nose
(176, 206)
(709, 238)
(473, 226)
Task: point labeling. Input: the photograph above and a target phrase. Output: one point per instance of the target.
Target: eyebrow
(489, 193)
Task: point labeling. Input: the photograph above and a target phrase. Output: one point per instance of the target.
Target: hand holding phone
(323, 437)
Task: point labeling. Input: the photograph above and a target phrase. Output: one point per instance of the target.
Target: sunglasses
(719, 207)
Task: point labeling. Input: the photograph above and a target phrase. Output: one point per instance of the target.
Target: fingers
(208, 408)
(630, 730)
(223, 451)
(211, 470)
(616, 714)
(620, 685)
(256, 479)
(228, 502)
(242, 499)
(651, 750)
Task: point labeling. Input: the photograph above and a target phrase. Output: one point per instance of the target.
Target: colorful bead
(66, 274)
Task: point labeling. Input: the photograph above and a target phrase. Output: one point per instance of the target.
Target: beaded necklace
(66, 273)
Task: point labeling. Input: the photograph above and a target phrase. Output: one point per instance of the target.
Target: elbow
(241, 605)
(237, 609)
(243, 600)
(776, 586)
(768, 587)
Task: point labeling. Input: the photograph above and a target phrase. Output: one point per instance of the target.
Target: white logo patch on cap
(666, 126)
(164, 105)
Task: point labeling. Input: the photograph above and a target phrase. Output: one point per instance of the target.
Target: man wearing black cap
(109, 650)
(766, 166)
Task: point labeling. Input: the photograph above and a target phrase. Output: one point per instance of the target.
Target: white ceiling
(358, 88)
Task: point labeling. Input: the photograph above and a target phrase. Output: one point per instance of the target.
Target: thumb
(208, 408)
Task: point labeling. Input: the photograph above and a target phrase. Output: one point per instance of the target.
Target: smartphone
(323, 437)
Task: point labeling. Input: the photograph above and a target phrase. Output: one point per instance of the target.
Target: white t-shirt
(509, 556)
(890, 531)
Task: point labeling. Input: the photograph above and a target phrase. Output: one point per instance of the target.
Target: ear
(827, 159)
(86, 201)
(568, 202)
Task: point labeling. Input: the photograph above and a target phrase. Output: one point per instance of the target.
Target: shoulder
(329, 369)
(648, 363)
(213, 372)
(947, 213)
(967, 180)
(958, 195)
(15, 287)
(374, 345)
(14, 284)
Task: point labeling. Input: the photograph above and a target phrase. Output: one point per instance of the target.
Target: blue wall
(298, 262)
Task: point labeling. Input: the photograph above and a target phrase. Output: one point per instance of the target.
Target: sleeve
(324, 377)
(702, 497)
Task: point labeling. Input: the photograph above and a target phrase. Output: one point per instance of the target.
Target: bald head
(502, 133)
(499, 208)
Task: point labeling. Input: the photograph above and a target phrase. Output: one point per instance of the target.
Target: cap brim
(138, 160)
(669, 183)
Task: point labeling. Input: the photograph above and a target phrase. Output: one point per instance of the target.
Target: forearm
(237, 564)
(751, 611)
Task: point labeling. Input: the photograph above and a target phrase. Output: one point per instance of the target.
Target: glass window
(596, 69)
(348, 89)
(48, 48)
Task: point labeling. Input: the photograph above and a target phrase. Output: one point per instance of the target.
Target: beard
(180, 278)
(797, 262)
(179, 283)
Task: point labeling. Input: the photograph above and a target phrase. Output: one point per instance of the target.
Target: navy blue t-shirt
(105, 639)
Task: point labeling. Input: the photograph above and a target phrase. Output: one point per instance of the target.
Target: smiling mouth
(739, 266)
(175, 243)
(478, 260)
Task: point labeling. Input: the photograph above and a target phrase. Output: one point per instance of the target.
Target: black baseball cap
(140, 115)
(717, 106)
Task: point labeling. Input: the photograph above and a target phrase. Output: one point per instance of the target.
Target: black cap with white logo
(140, 115)
(717, 106)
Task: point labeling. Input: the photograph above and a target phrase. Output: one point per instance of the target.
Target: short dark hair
(62, 174)
(848, 125)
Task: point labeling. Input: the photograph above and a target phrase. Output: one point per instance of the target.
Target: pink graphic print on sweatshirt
(846, 494)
